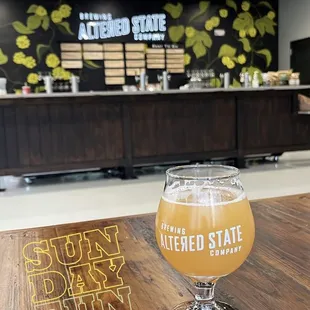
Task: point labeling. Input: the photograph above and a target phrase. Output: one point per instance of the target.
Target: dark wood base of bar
(66, 133)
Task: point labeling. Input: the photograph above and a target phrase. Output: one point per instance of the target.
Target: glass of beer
(204, 227)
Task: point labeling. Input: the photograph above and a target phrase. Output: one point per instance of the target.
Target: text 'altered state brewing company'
(219, 243)
(93, 26)
(78, 271)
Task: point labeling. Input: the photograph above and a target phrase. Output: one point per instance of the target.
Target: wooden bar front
(44, 134)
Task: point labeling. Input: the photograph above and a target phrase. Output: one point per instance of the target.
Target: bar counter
(65, 131)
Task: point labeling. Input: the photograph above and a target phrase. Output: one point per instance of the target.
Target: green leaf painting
(176, 33)
(32, 9)
(200, 43)
(267, 54)
(266, 4)
(39, 89)
(236, 84)
(203, 7)
(265, 25)
(3, 58)
(244, 21)
(91, 65)
(34, 22)
(46, 23)
(232, 4)
(174, 10)
(21, 28)
(246, 44)
(41, 50)
(199, 49)
(65, 28)
(227, 50)
(215, 83)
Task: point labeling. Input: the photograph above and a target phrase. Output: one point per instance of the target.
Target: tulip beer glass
(204, 227)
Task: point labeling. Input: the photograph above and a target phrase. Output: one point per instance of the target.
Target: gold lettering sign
(80, 269)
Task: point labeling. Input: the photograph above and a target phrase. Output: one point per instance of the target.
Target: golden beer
(204, 228)
(205, 240)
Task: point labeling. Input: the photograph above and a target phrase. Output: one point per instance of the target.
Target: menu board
(120, 60)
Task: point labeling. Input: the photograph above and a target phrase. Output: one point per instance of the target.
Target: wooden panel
(93, 55)
(176, 61)
(11, 142)
(175, 51)
(134, 72)
(72, 64)
(266, 120)
(176, 70)
(155, 56)
(135, 55)
(3, 151)
(57, 145)
(112, 47)
(71, 55)
(135, 63)
(114, 64)
(45, 133)
(175, 56)
(115, 81)
(33, 136)
(156, 66)
(171, 126)
(135, 47)
(70, 47)
(156, 51)
(156, 61)
(92, 47)
(175, 66)
(279, 258)
(23, 135)
(113, 55)
(114, 72)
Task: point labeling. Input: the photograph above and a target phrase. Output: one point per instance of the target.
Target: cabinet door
(266, 120)
(170, 125)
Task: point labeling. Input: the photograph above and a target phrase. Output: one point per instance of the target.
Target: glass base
(192, 305)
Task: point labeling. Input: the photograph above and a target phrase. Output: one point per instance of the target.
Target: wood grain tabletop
(116, 264)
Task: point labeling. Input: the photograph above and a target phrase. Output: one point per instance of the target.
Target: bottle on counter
(247, 80)
(255, 82)
(226, 79)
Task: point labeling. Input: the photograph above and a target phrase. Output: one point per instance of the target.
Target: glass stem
(205, 295)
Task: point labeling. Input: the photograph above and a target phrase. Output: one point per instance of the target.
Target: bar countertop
(171, 91)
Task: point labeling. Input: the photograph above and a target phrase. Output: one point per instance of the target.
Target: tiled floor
(63, 202)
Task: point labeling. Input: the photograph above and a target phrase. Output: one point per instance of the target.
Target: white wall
(294, 24)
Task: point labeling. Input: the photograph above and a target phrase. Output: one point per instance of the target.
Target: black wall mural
(31, 33)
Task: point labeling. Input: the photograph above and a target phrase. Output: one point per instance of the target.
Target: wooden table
(275, 276)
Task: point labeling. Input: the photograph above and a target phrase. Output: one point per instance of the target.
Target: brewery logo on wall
(94, 26)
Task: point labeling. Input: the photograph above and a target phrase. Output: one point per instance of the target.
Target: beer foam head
(203, 195)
